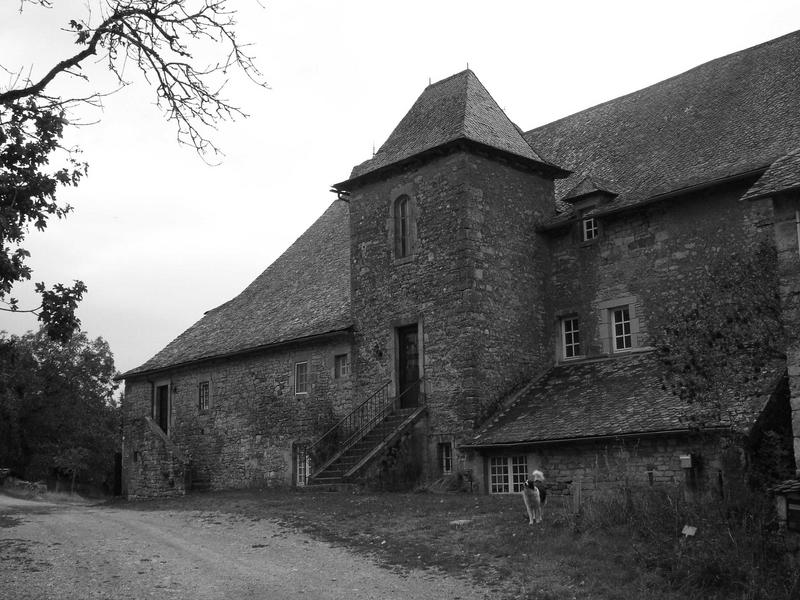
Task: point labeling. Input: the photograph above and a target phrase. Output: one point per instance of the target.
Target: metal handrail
(367, 416)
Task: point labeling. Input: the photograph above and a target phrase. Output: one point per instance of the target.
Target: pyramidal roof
(456, 108)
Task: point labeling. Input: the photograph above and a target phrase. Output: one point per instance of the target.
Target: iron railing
(358, 423)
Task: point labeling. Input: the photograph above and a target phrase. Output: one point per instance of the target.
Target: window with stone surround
(446, 457)
(341, 366)
(507, 474)
(301, 377)
(302, 464)
(203, 396)
(570, 338)
(589, 229)
(621, 335)
(403, 227)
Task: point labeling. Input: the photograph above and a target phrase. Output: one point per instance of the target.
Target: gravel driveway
(76, 551)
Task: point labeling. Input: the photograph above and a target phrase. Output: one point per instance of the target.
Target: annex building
(480, 301)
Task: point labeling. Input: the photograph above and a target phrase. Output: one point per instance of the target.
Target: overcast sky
(159, 237)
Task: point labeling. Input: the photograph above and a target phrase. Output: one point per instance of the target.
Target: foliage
(721, 338)
(736, 552)
(169, 43)
(58, 415)
(29, 136)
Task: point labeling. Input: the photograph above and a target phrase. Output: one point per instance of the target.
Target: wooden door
(408, 366)
(162, 407)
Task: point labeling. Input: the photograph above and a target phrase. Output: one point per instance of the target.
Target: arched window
(402, 227)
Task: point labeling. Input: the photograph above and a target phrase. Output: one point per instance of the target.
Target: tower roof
(456, 108)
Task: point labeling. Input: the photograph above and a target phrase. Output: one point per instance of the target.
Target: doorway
(162, 407)
(408, 366)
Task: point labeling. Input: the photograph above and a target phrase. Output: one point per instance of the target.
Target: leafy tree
(59, 415)
(184, 49)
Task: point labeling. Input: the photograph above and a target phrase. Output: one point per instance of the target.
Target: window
(507, 473)
(341, 366)
(203, 396)
(589, 229)
(402, 227)
(302, 462)
(571, 337)
(621, 328)
(301, 378)
(446, 457)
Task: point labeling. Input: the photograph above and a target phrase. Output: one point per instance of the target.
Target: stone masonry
(246, 436)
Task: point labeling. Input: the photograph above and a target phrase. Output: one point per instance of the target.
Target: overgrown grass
(623, 546)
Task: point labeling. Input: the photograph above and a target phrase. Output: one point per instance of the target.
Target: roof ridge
(453, 76)
(662, 81)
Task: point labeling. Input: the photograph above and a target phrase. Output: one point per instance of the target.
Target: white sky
(159, 237)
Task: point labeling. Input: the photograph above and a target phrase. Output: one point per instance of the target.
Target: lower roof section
(622, 396)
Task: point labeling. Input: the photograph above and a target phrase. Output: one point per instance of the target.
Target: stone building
(479, 300)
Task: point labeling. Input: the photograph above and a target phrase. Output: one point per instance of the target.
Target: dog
(534, 494)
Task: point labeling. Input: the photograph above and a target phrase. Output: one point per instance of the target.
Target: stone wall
(646, 258)
(246, 436)
(472, 284)
(788, 246)
(605, 467)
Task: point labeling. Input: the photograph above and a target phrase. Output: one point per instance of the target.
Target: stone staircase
(371, 446)
(365, 434)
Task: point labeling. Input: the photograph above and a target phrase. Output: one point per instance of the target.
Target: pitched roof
(305, 292)
(623, 395)
(731, 115)
(456, 108)
(783, 175)
(590, 184)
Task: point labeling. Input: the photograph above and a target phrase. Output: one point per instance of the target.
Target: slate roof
(731, 115)
(782, 175)
(305, 292)
(590, 185)
(623, 395)
(455, 108)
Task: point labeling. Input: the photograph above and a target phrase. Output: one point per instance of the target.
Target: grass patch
(619, 548)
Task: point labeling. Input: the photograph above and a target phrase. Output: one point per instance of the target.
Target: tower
(448, 272)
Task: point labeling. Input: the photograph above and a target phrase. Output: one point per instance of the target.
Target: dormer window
(589, 229)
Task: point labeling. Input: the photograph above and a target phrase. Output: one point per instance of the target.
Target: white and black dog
(534, 494)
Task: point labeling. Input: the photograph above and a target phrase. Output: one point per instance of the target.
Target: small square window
(301, 378)
(446, 457)
(621, 328)
(203, 396)
(341, 366)
(571, 337)
(589, 229)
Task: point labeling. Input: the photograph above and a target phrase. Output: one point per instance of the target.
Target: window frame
(507, 474)
(201, 406)
(446, 458)
(341, 366)
(302, 464)
(626, 325)
(590, 228)
(297, 379)
(575, 344)
(403, 227)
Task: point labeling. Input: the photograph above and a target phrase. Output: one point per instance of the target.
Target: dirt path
(82, 552)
